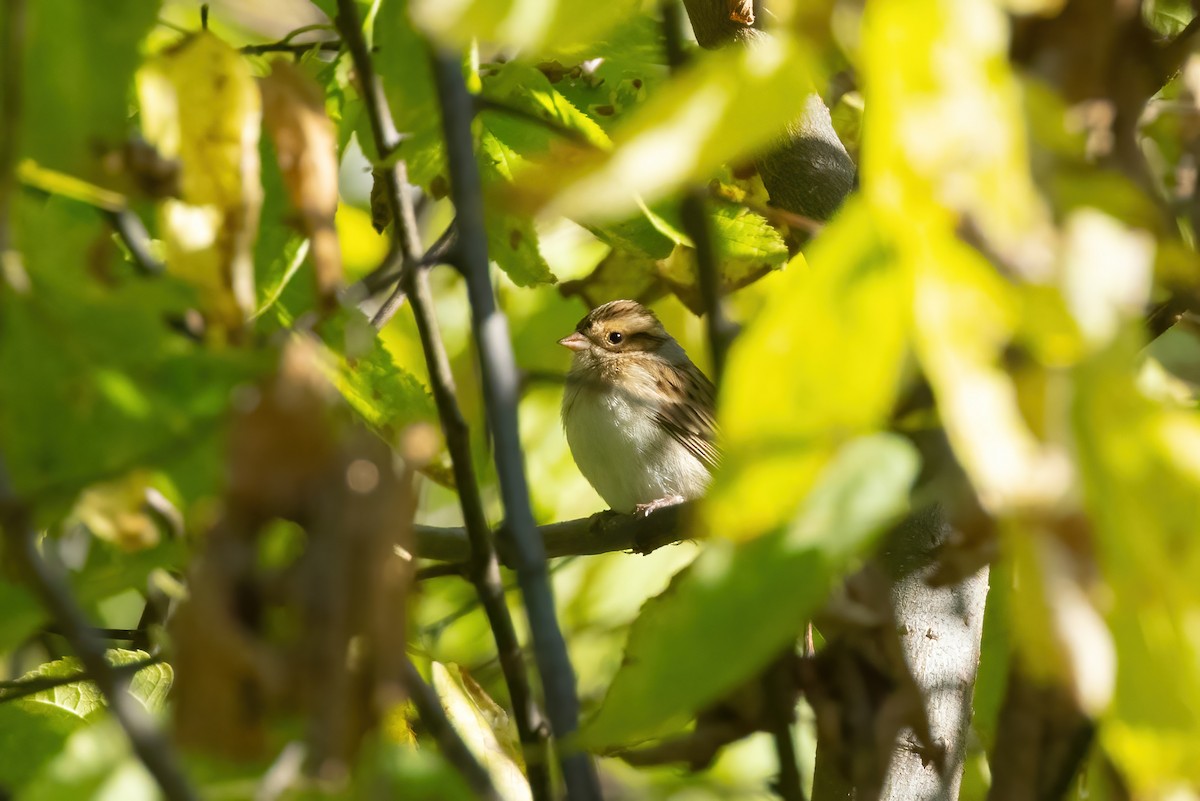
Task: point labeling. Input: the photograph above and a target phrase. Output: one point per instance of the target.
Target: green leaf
(839, 323)
(386, 395)
(730, 104)
(484, 727)
(33, 729)
(512, 239)
(556, 25)
(522, 87)
(79, 64)
(103, 383)
(403, 63)
(739, 604)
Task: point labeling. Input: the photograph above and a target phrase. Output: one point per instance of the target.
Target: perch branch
(500, 386)
(606, 532)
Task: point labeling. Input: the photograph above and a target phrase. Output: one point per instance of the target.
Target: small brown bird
(638, 415)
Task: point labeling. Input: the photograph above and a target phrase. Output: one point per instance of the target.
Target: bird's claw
(646, 509)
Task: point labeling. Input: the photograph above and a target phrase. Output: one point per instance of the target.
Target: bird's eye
(615, 337)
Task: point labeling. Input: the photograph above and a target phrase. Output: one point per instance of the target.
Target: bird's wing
(689, 416)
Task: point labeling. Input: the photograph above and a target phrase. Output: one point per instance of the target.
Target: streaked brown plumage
(639, 416)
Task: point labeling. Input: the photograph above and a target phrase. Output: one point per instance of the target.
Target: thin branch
(708, 274)
(430, 710)
(383, 129)
(695, 218)
(133, 234)
(483, 564)
(389, 308)
(288, 45)
(500, 386)
(291, 47)
(48, 583)
(22, 688)
(779, 688)
(389, 271)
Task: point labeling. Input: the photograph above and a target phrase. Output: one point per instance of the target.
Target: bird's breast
(622, 450)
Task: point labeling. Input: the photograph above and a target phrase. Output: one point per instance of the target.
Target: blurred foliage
(1021, 235)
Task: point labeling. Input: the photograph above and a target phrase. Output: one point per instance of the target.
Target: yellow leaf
(201, 105)
(818, 366)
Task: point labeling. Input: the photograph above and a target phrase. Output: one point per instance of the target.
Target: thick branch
(500, 386)
(483, 564)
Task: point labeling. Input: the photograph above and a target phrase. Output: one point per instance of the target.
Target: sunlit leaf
(729, 104)
(946, 124)
(485, 728)
(561, 25)
(750, 599)
(1149, 553)
(820, 365)
(34, 728)
(201, 105)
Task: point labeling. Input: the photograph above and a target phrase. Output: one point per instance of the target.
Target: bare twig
(288, 45)
(22, 688)
(47, 582)
(483, 564)
(500, 386)
(389, 271)
(429, 708)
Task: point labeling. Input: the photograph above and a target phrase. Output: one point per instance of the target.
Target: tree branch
(483, 564)
(605, 532)
(500, 386)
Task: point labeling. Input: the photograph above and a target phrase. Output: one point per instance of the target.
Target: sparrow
(638, 415)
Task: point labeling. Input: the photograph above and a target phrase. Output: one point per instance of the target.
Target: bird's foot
(646, 509)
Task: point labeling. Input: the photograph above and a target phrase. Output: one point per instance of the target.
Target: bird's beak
(576, 341)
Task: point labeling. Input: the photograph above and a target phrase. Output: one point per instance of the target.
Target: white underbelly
(627, 457)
